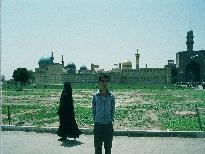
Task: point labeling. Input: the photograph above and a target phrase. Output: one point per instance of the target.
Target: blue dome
(83, 67)
(71, 66)
(45, 60)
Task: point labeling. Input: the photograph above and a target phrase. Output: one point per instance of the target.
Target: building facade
(190, 64)
(56, 73)
(48, 71)
(189, 67)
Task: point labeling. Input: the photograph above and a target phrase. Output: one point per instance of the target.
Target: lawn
(142, 107)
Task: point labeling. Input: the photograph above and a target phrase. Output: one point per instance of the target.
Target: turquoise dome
(45, 60)
(83, 67)
(71, 66)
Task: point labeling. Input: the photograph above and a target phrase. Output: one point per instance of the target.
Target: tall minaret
(190, 41)
(137, 59)
(52, 58)
(62, 61)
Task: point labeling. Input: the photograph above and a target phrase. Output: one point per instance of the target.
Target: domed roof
(83, 67)
(71, 66)
(45, 60)
(126, 63)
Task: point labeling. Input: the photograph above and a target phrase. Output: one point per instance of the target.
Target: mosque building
(189, 67)
(190, 64)
(56, 73)
(48, 71)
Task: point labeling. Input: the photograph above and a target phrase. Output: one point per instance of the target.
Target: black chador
(68, 126)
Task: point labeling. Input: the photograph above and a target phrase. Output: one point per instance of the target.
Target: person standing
(103, 107)
(68, 126)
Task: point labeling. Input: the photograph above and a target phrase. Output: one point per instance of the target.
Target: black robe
(68, 126)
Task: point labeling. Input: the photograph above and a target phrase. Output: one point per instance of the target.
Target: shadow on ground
(71, 143)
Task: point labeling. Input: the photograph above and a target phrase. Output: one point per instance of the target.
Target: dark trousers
(103, 133)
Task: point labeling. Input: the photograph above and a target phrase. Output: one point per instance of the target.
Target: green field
(142, 107)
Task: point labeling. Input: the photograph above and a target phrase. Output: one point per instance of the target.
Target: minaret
(190, 41)
(52, 58)
(62, 61)
(137, 59)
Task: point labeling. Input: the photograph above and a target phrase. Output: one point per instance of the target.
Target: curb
(129, 133)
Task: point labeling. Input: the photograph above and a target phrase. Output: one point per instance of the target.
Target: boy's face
(103, 83)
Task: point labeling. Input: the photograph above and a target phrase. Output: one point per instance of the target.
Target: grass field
(150, 107)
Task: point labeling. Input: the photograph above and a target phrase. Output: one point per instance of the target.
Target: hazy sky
(102, 32)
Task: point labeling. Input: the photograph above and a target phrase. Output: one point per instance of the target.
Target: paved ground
(17, 142)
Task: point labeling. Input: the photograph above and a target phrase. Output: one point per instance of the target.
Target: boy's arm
(113, 109)
(93, 107)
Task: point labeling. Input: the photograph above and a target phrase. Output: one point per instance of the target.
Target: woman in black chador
(68, 126)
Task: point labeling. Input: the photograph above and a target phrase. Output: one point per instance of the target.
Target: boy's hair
(105, 76)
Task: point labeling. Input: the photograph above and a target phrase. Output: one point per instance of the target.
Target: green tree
(31, 77)
(21, 76)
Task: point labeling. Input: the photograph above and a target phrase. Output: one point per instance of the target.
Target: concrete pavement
(20, 142)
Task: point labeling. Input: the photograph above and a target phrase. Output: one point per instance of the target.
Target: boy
(103, 106)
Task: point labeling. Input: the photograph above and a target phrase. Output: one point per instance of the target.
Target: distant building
(172, 66)
(48, 71)
(56, 73)
(189, 67)
(190, 64)
(3, 79)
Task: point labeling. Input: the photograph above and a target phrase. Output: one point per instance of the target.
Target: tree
(21, 76)
(31, 77)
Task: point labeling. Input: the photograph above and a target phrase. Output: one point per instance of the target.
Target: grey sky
(102, 32)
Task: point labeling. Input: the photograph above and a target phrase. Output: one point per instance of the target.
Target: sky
(103, 32)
